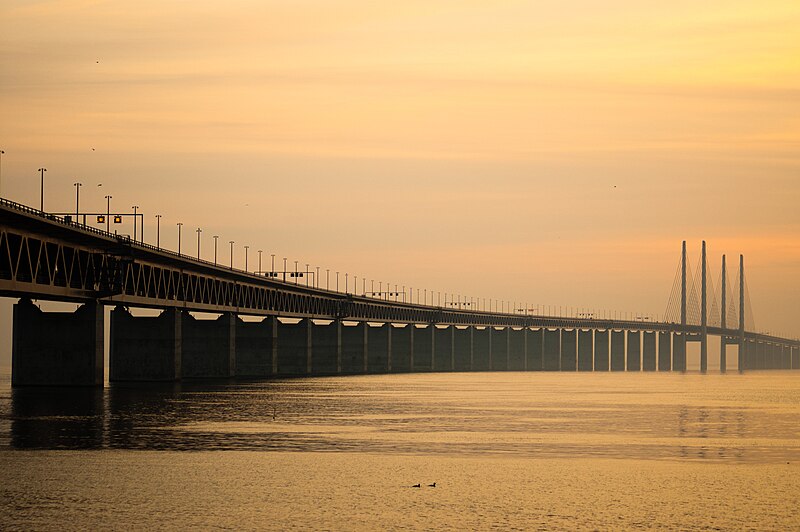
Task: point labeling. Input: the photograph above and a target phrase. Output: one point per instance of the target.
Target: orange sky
(549, 152)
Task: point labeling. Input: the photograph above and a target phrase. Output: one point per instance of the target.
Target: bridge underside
(175, 345)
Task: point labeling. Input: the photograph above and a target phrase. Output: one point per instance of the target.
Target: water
(519, 451)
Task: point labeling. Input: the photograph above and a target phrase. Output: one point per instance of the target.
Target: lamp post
(158, 231)
(1, 167)
(259, 262)
(345, 282)
(108, 214)
(316, 279)
(272, 269)
(198, 231)
(306, 274)
(245, 257)
(216, 237)
(78, 186)
(41, 204)
(135, 208)
(231, 243)
(284, 269)
(180, 225)
(295, 272)
(327, 279)
(337, 281)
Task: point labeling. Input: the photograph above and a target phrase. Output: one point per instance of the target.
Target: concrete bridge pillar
(796, 357)
(403, 348)
(664, 351)
(679, 352)
(145, 348)
(787, 357)
(585, 350)
(424, 347)
(617, 350)
(57, 348)
(295, 348)
(208, 347)
(552, 350)
(326, 348)
(379, 348)
(499, 340)
(354, 348)
(463, 348)
(569, 349)
(601, 350)
(444, 348)
(257, 347)
(481, 349)
(634, 354)
(535, 353)
(761, 355)
(649, 351)
(517, 346)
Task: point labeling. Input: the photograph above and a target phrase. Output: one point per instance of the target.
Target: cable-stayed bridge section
(304, 330)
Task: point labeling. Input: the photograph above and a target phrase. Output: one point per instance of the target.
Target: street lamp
(295, 272)
(78, 186)
(259, 262)
(135, 208)
(198, 242)
(231, 242)
(337, 281)
(158, 231)
(272, 269)
(284, 269)
(1, 167)
(180, 225)
(306, 274)
(216, 237)
(245, 257)
(316, 279)
(108, 214)
(41, 204)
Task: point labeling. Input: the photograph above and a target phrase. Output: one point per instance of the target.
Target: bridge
(302, 329)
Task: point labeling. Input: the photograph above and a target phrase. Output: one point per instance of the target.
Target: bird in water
(432, 485)
(416, 486)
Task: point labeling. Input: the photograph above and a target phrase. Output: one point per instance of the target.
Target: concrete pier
(57, 348)
(257, 347)
(402, 348)
(424, 347)
(649, 351)
(379, 348)
(444, 348)
(664, 351)
(463, 347)
(481, 348)
(326, 347)
(208, 348)
(517, 342)
(569, 349)
(634, 351)
(552, 350)
(796, 358)
(585, 350)
(535, 355)
(354, 348)
(617, 350)
(145, 348)
(499, 342)
(294, 348)
(601, 350)
(761, 355)
(679, 352)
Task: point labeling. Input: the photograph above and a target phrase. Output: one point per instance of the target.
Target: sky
(550, 152)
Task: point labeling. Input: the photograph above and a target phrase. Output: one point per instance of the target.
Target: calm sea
(507, 451)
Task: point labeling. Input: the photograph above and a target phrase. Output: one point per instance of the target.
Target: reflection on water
(751, 418)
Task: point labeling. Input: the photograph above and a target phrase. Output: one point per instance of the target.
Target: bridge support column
(354, 348)
(326, 348)
(552, 349)
(145, 348)
(787, 357)
(499, 339)
(649, 351)
(634, 355)
(403, 348)
(379, 348)
(535, 353)
(617, 350)
(517, 343)
(796, 357)
(569, 349)
(481, 349)
(601, 350)
(444, 344)
(424, 347)
(256, 347)
(679, 353)
(585, 348)
(761, 355)
(664, 351)
(295, 348)
(463, 348)
(57, 348)
(208, 348)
